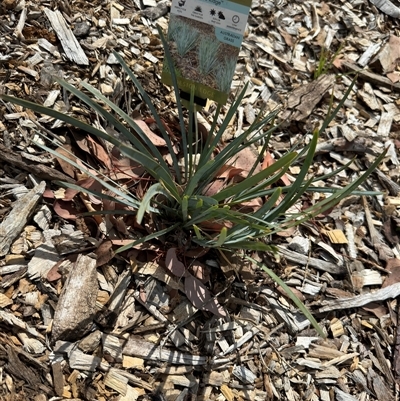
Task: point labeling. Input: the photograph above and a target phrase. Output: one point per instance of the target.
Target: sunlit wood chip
(337, 237)
(367, 277)
(121, 21)
(106, 89)
(132, 394)
(5, 301)
(337, 328)
(112, 347)
(180, 380)
(129, 362)
(150, 57)
(227, 392)
(116, 381)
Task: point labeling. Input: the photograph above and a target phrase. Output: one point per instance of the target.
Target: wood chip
(15, 222)
(73, 318)
(71, 46)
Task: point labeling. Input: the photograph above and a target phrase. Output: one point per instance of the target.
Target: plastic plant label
(204, 38)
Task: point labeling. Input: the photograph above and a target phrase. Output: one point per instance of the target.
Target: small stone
(81, 29)
(156, 12)
(300, 245)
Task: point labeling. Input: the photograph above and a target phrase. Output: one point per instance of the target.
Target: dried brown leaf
(214, 187)
(66, 167)
(245, 161)
(154, 138)
(200, 296)
(125, 168)
(200, 271)
(228, 172)
(64, 209)
(174, 265)
(392, 266)
(99, 152)
(269, 161)
(104, 253)
(377, 309)
(88, 183)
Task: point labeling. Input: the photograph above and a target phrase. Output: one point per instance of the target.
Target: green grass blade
(204, 176)
(189, 153)
(131, 203)
(184, 206)
(147, 238)
(328, 120)
(221, 237)
(331, 201)
(255, 179)
(291, 295)
(147, 161)
(297, 188)
(152, 109)
(209, 140)
(214, 140)
(252, 193)
(144, 207)
(197, 232)
(171, 67)
(199, 174)
(114, 121)
(126, 199)
(121, 128)
(269, 204)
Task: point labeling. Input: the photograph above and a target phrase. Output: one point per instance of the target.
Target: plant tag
(204, 38)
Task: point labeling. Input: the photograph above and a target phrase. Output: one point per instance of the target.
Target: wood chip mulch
(78, 325)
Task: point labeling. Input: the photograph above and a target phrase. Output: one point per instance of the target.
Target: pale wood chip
(15, 222)
(146, 350)
(313, 262)
(71, 46)
(392, 291)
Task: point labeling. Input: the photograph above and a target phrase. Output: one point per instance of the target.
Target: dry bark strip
(15, 222)
(319, 264)
(302, 101)
(387, 7)
(39, 170)
(147, 350)
(389, 292)
(71, 46)
(371, 77)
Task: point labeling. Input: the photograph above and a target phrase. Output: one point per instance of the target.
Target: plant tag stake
(204, 37)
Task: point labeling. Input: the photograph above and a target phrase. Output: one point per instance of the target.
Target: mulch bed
(77, 323)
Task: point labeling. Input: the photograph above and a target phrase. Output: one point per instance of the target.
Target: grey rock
(300, 245)
(156, 12)
(81, 29)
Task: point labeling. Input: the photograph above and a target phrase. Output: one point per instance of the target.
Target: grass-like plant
(326, 60)
(224, 73)
(185, 37)
(208, 55)
(178, 201)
